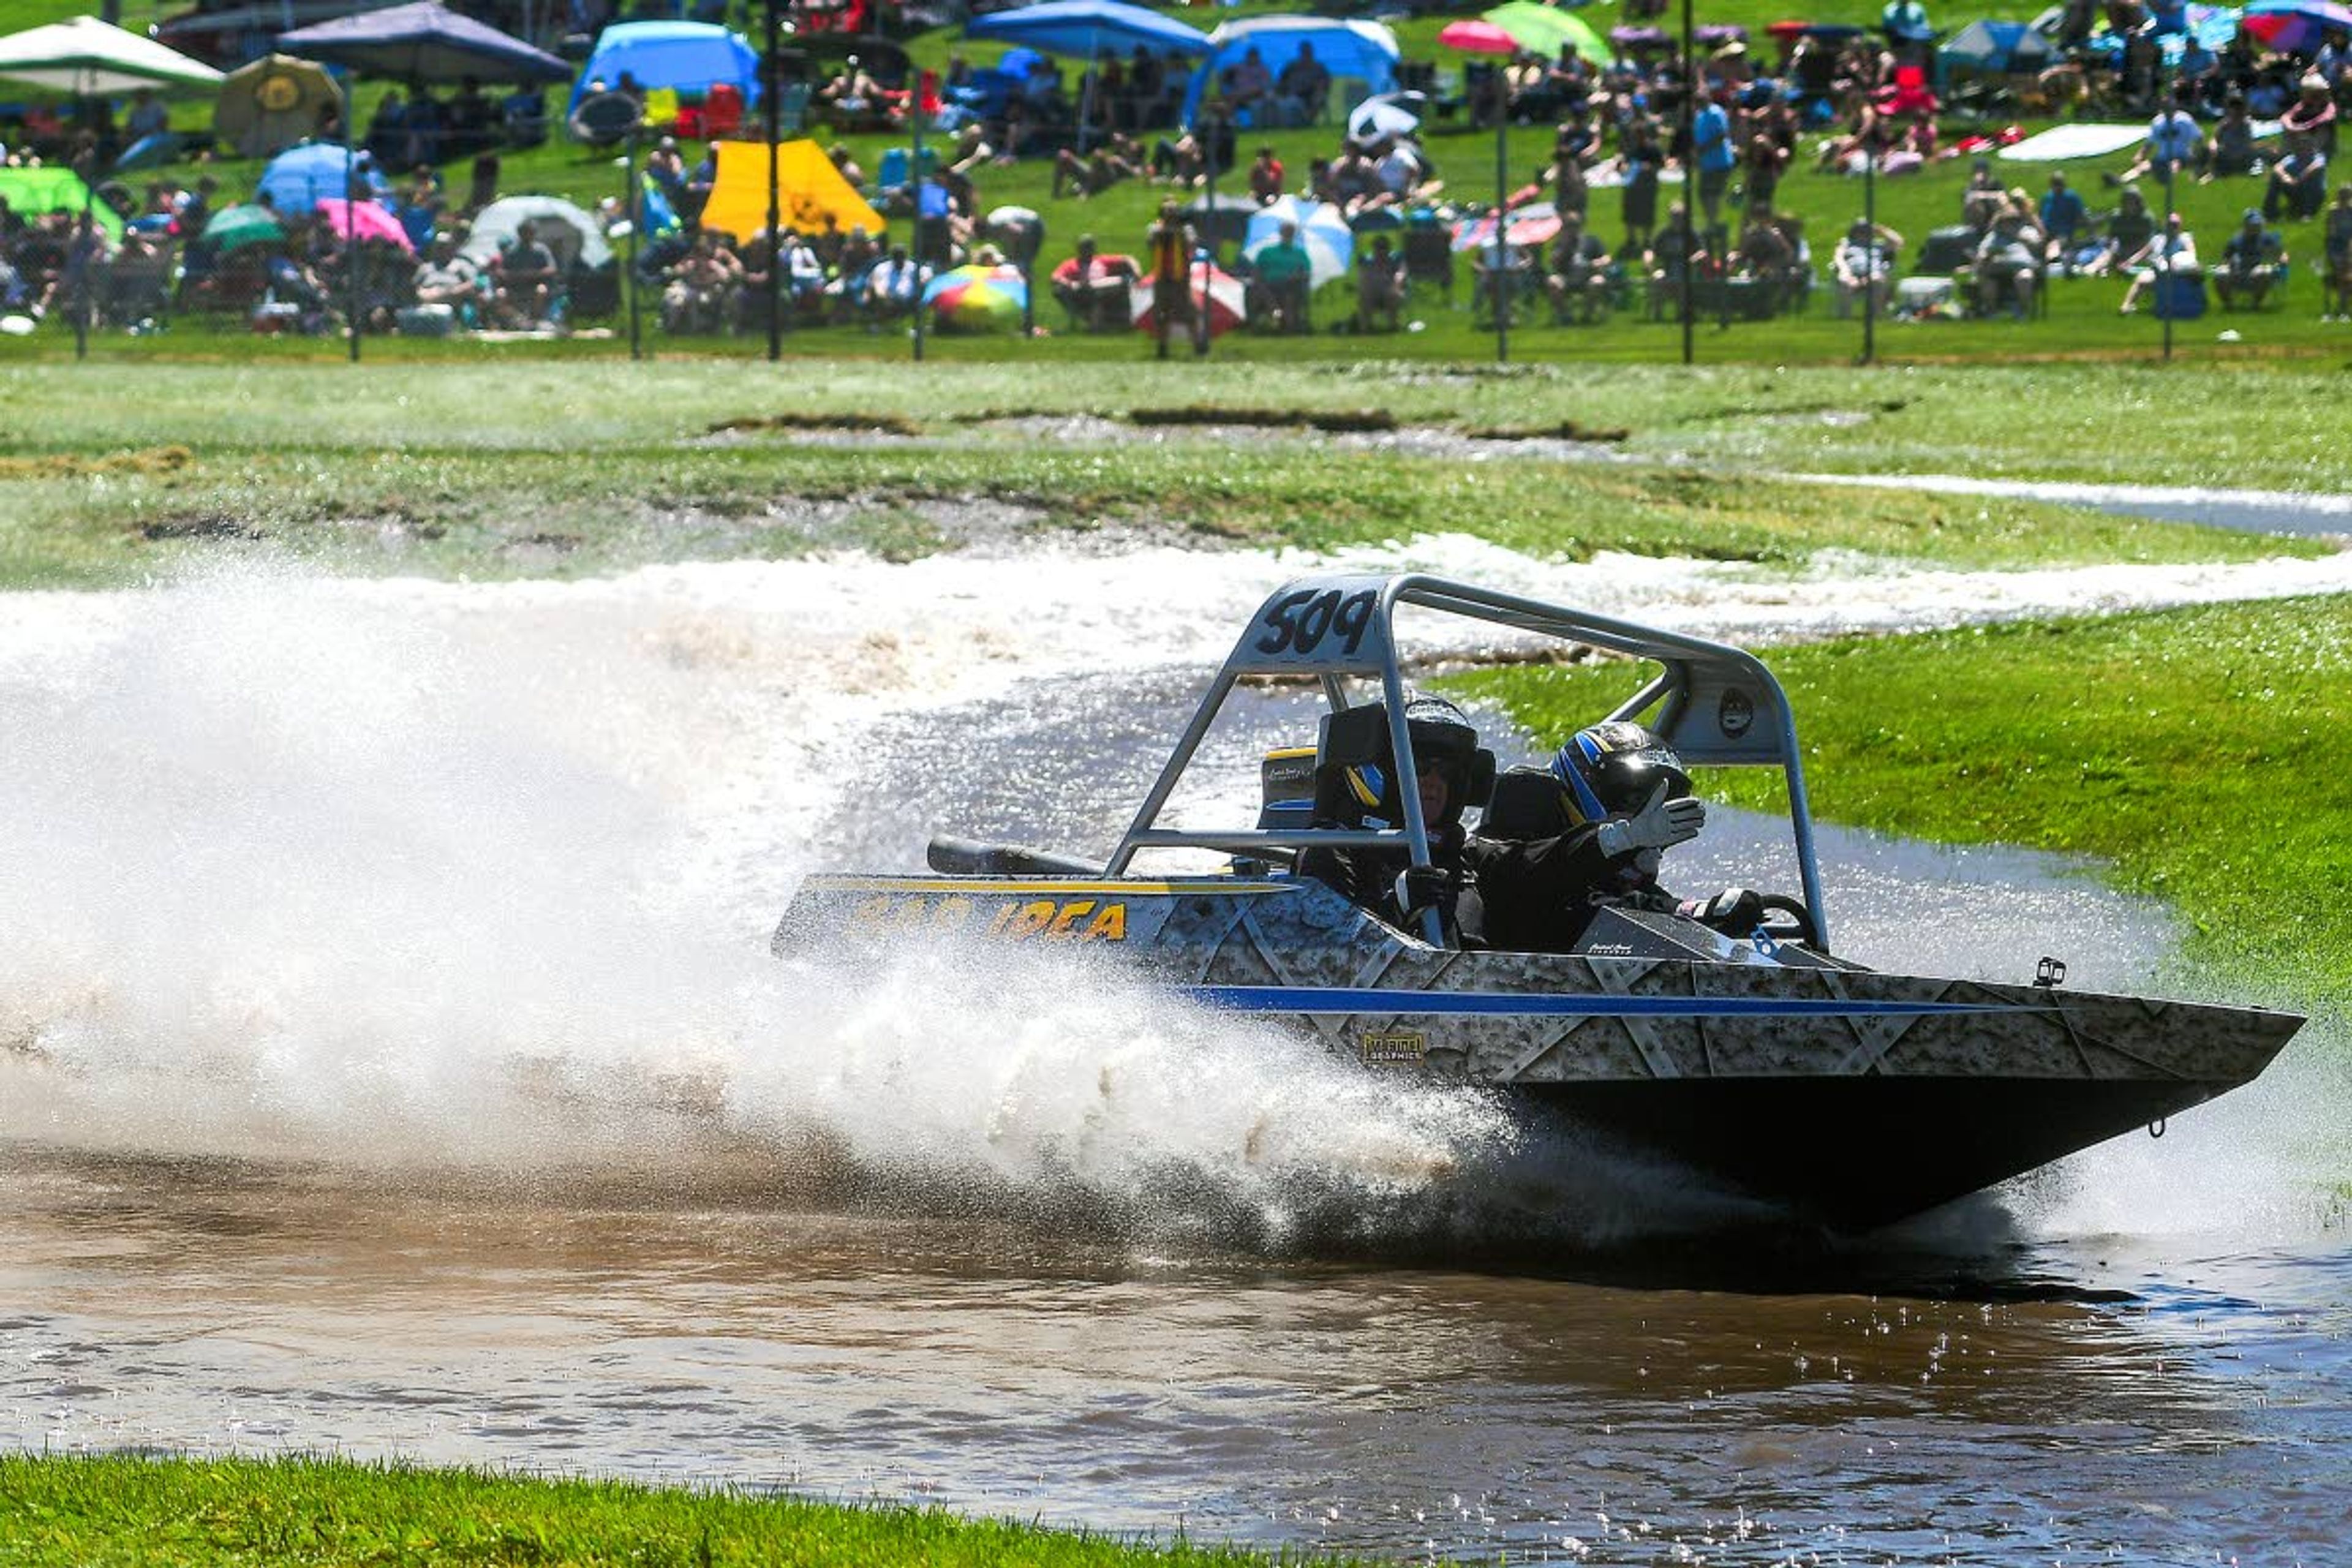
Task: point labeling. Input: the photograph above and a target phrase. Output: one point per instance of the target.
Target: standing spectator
(1638, 199)
(1762, 165)
(1712, 150)
(1380, 284)
(1169, 242)
(2335, 301)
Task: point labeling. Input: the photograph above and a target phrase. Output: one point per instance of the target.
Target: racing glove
(1659, 825)
(1734, 911)
(1420, 888)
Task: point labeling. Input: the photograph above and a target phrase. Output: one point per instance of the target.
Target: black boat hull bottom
(1857, 1153)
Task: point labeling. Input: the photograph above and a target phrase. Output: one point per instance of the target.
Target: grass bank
(532, 469)
(2197, 753)
(137, 1512)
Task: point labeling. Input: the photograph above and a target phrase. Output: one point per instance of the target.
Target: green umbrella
(1544, 30)
(232, 228)
(53, 189)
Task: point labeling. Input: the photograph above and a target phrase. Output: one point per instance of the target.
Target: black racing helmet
(1355, 754)
(1612, 770)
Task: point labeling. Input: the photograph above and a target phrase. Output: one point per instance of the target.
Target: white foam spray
(425, 874)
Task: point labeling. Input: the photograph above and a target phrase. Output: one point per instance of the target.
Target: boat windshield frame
(1717, 705)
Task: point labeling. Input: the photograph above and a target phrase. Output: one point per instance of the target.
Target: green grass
(135, 1513)
(2082, 320)
(534, 469)
(2197, 753)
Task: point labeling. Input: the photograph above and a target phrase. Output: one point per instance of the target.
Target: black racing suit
(1367, 877)
(1537, 895)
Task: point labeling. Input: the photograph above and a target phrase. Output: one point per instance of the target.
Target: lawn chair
(1429, 257)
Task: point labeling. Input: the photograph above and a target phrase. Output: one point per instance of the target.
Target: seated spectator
(1498, 271)
(1766, 259)
(2252, 259)
(2298, 182)
(1863, 267)
(2171, 254)
(1183, 162)
(1983, 197)
(845, 164)
(1579, 279)
(1265, 173)
(703, 287)
(2009, 263)
(1117, 157)
(892, 287)
(523, 279)
(1761, 163)
(1675, 256)
(2063, 219)
(1249, 84)
(1380, 286)
(137, 279)
(2231, 150)
(1285, 280)
(2172, 146)
(443, 277)
(2335, 301)
(1093, 288)
(2129, 227)
(1304, 89)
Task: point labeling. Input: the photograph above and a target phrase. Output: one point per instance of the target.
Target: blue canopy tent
(684, 55)
(423, 42)
(1364, 52)
(1089, 27)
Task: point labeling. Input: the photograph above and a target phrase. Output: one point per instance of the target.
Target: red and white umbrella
(1217, 298)
(1537, 223)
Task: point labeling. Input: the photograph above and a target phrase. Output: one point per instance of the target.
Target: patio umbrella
(365, 220)
(977, 298)
(1331, 244)
(422, 42)
(1535, 223)
(1218, 297)
(1089, 27)
(1547, 31)
(89, 58)
(273, 103)
(295, 180)
(235, 227)
(2326, 13)
(1474, 36)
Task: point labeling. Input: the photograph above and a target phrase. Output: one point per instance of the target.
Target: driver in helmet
(1447, 760)
(1620, 799)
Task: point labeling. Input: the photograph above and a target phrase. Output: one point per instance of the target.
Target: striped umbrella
(1535, 224)
(1331, 243)
(1218, 297)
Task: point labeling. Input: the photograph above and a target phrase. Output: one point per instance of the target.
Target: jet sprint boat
(1766, 1063)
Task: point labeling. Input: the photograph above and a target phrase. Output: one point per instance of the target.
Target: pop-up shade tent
(687, 56)
(1364, 52)
(88, 57)
(31, 192)
(423, 42)
(809, 190)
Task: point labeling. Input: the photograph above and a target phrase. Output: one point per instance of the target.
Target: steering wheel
(1795, 922)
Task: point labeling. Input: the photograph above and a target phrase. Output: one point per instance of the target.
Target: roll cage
(1716, 705)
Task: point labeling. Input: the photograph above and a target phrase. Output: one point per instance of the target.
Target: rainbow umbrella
(364, 220)
(247, 223)
(1547, 31)
(976, 299)
(1218, 297)
(1535, 224)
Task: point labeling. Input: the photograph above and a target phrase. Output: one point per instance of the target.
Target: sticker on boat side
(1042, 920)
(1298, 624)
(1380, 1049)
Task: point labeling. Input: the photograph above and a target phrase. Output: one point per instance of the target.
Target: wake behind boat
(1757, 1057)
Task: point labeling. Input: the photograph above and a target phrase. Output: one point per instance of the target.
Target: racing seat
(1526, 804)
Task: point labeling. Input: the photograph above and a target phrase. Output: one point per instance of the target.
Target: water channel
(390, 1063)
